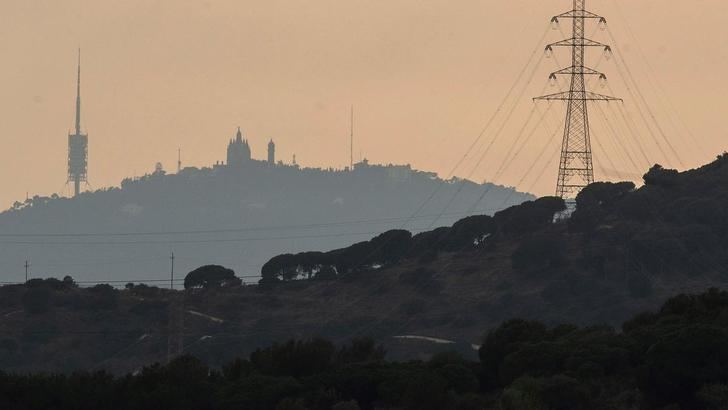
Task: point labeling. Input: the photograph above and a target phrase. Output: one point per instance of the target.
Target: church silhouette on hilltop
(238, 151)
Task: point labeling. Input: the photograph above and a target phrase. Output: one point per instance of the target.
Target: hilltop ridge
(238, 215)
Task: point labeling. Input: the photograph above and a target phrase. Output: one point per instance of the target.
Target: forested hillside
(621, 252)
(675, 357)
(677, 223)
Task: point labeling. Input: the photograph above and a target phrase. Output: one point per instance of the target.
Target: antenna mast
(78, 143)
(351, 141)
(575, 167)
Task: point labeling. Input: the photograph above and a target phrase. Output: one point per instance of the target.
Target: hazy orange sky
(424, 76)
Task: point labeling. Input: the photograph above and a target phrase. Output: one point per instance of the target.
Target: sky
(424, 76)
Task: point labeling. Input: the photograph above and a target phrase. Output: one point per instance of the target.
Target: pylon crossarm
(573, 42)
(576, 96)
(578, 70)
(573, 14)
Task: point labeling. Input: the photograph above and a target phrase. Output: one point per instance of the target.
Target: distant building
(238, 151)
(361, 165)
(271, 152)
(399, 173)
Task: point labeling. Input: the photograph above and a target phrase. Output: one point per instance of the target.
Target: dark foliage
(595, 202)
(528, 217)
(674, 358)
(393, 246)
(659, 176)
(37, 300)
(541, 251)
(211, 276)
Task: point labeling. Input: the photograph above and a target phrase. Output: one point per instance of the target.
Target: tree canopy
(211, 276)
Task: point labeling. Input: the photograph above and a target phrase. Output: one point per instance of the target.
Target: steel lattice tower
(78, 144)
(575, 167)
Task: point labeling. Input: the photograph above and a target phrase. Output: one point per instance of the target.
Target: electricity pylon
(575, 167)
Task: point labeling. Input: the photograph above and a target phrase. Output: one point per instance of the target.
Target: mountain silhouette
(238, 215)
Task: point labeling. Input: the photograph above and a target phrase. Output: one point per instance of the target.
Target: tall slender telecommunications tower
(575, 167)
(78, 143)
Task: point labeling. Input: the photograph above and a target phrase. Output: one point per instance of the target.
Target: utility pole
(171, 277)
(27, 266)
(175, 320)
(576, 169)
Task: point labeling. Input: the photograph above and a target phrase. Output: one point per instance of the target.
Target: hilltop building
(271, 152)
(238, 151)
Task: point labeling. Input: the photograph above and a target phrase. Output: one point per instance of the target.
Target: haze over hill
(623, 251)
(239, 215)
(422, 74)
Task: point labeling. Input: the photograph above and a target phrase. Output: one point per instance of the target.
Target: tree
(529, 216)
(426, 391)
(361, 350)
(69, 282)
(279, 268)
(469, 232)
(294, 358)
(210, 277)
(389, 247)
(595, 201)
(506, 339)
(659, 176)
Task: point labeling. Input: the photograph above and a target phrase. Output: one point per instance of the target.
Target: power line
(194, 241)
(656, 84)
(619, 56)
(110, 281)
(232, 230)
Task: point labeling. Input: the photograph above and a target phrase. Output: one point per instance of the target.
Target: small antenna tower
(575, 167)
(179, 160)
(351, 140)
